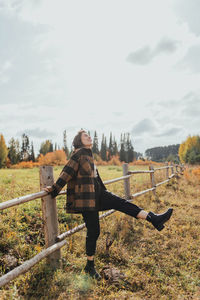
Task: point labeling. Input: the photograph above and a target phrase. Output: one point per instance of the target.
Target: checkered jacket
(78, 174)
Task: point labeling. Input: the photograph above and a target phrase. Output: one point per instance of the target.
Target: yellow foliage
(57, 157)
(3, 151)
(191, 141)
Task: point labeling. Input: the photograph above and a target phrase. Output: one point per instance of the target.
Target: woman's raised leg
(109, 200)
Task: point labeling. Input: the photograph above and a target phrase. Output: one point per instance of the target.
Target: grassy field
(155, 265)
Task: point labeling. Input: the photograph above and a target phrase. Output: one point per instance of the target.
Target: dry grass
(157, 265)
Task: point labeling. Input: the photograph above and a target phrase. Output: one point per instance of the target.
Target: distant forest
(17, 152)
(165, 153)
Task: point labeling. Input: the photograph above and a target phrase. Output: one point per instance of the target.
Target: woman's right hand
(48, 189)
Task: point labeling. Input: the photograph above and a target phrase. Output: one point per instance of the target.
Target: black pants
(107, 200)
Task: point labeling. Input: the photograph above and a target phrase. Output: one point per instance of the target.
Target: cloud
(141, 56)
(29, 113)
(145, 55)
(191, 60)
(35, 73)
(144, 126)
(166, 45)
(177, 118)
(188, 11)
(118, 113)
(169, 132)
(191, 105)
(4, 68)
(37, 133)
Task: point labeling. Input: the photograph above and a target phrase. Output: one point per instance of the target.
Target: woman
(86, 194)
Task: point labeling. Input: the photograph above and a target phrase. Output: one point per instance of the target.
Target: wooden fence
(55, 241)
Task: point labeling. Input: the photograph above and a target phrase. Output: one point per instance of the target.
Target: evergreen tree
(46, 147)
(110, 147)
(103, 148)
(95, 147)
(138, 155)
(3, 151)
(32, 154)
(51, 147)
(129, 149)
(115, 148)
(106, 148)
(25, 149)
(122, 155)
(14, 151)
(65, 148)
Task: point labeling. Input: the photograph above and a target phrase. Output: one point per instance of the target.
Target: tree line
(186, 152)
(164, 153)
(16, 152)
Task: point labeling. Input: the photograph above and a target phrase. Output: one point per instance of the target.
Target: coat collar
(85, 150)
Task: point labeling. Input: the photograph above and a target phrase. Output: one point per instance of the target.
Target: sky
(112, 66)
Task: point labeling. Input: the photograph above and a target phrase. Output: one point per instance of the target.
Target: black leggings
(107, 200)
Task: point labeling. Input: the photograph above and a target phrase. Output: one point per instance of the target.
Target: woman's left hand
(48, 189)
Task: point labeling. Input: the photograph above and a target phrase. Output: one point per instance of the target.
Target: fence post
(49, 213)
(127, 189)
(181, 168)
(167, 170)
(176, 168)
(172, 168)
(152, 178)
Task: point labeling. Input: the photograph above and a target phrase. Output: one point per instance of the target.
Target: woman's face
(86, 140)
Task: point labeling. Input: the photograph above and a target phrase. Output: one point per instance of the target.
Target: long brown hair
(77, 143)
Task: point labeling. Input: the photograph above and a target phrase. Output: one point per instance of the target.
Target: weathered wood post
(152, 178)
(49, 213)
(127, 188)
(167, 170)
(181, 168)
(172, 167)
(176, 166)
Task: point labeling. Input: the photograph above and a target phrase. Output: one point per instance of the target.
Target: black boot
(159, 220)
(90, 269)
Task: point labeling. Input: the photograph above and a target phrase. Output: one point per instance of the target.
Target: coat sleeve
(68, 172)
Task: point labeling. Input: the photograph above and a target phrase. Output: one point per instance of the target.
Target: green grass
(157, 265)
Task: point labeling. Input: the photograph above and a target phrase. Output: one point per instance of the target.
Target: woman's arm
(69, 171)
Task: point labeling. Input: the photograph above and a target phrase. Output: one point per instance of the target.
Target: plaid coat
(78, 174)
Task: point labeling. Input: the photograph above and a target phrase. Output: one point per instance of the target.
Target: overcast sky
(110, 65)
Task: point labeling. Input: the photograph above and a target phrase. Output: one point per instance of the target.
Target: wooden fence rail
(55, 241)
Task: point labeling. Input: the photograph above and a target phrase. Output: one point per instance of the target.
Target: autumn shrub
(100, 162)
(141, 162)
(57, 157)
(192, 175)
(23, 165)
(115, 161)
(196, 172)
